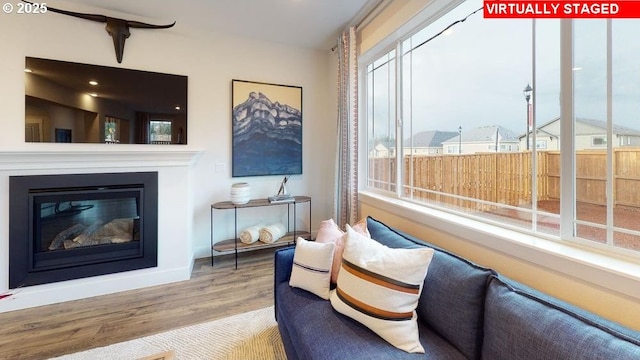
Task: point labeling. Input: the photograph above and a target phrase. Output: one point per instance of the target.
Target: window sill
(609, 271)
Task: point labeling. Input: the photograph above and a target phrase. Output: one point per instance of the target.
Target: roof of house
(617, 129)
(387, 144)
(430, 139)
(485, 134)
(601, 124)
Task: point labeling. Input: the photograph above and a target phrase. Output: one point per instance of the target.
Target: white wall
(210, 61)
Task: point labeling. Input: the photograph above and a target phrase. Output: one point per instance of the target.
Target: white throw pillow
(379, 287)
(312, 267)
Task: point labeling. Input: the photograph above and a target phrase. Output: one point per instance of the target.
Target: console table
(236, 246)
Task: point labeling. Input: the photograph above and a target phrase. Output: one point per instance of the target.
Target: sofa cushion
(379, 287)
(454, 290)
(311, 269)
(521, 323)
(315, 331)
(392, 237)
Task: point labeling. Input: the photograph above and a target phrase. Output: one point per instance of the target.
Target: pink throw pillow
(330, 232)
(361, 228)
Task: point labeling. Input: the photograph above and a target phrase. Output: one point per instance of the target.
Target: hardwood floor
(211, 293)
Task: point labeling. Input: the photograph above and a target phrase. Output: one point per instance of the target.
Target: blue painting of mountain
(267, 138)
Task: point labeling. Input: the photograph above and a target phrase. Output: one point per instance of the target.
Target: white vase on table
(240, 193)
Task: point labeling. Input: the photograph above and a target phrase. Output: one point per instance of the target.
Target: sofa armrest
(283, 262)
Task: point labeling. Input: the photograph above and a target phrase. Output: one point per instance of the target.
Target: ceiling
(313, 24)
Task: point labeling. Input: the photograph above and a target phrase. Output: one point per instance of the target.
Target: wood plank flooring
(211, 293)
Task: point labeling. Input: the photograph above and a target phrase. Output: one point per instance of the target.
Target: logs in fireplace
(72, 226)
(114, 232)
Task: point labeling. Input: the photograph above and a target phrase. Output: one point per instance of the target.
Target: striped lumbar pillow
(379, 287)
(312, 267)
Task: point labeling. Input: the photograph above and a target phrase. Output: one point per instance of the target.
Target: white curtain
(346, 184)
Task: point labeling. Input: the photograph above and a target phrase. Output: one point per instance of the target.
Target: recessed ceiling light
(93, 95)
(27, 70)
(93, 82)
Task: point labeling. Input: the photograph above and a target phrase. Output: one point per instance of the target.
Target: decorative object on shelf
(281, 199)
(270, 234)
(235, 245)
(267, 141)
(282, 196)
(283, 187)
(240, 193)
(118, 29)
(251, 234)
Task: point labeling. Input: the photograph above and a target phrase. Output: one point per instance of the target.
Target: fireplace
(72, 226)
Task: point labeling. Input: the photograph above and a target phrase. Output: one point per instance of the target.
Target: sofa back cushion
(452, 300)
(521, 323)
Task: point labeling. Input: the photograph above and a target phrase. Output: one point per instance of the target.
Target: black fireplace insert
(72, 226)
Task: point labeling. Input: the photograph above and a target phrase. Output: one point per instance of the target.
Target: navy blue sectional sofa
(465, 312)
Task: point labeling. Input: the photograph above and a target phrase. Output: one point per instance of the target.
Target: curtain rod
(365, 15)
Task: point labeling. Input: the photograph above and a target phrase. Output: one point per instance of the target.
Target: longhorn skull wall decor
(117, 28)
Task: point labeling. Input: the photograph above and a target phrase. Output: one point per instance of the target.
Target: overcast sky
(475, 75)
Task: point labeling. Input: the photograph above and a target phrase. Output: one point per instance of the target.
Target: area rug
(251, 335)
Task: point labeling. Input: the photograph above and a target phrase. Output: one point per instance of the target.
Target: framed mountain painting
(267, 129)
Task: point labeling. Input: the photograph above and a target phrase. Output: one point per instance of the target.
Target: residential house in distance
(427, 142)
(383, 149)
(494, 138)
(590, 135)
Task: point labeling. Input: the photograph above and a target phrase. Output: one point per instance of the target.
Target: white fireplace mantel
(88, 159)
(175, 214)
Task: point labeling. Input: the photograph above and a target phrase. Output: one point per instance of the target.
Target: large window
(160, 132)
(480, 123)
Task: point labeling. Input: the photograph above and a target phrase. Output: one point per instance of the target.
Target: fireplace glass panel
(91, 225)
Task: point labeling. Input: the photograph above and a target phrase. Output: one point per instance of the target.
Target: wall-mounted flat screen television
(83, 103)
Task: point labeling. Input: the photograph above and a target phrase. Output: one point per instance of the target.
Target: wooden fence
(505, 178)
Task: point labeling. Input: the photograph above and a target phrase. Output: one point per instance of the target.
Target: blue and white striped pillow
(379, 287)
(312, 267)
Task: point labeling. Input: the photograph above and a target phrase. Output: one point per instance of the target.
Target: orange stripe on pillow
(380, 280)
(371, 310)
